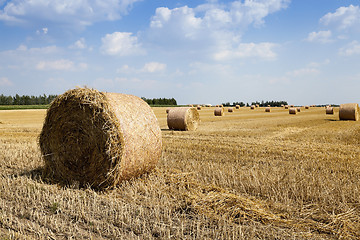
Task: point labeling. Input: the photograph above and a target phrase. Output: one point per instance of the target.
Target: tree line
(26, 99)
(160, 101)
(261, 104)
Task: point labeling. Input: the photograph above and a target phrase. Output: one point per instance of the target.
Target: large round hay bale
(329, 110)
(183, 118)
(349, 111)
(286, 106)
(99, 139)
(198, 107)
(167, 110)
(252, 107)
(267, 109)
(292, 110)
(298, 109)
(230, 109)
(307, 107)
(219, 111)
(237, 106)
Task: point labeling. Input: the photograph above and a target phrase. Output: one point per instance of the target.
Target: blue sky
(301, 51)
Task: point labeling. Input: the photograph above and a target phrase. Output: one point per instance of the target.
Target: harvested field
(246, 175)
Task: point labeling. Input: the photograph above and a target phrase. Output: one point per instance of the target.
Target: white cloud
(152, 67)
(81, 12)
(321, 36)
(214, 27)
(245, 50)
(5, 82)
(121, 44)
(79, 44)
(343, 18)
(352, 48)
(62, 64)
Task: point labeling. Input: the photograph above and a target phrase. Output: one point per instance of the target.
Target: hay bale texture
(230, 109)
(183, 118)
(99, 139)
(292, 110)
(267, 109)
(219, 111)
(349, 111)
(329, 110)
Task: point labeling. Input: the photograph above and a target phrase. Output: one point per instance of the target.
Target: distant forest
(261, 104)
(160, 101)
(26, 100)
(45, 100)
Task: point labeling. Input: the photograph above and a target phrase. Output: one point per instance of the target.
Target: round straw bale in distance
(329, 110)
(230, 109)
(286, 106)
(198, 107)
(183, 118)
(99, 139)
(237, 106)
(252, 107)
(219, 111)
(167, 110)
(292, 110)
(349, 111)
(298, 109)
(267, 109)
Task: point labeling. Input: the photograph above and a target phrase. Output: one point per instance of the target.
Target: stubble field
(246, 175)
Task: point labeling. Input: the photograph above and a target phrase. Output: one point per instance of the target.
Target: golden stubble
(245, 175)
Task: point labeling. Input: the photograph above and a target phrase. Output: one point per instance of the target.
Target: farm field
(245, 175)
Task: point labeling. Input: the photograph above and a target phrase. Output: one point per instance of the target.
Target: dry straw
(252, 107)
(330, 110)
(219, 111)
(237, 106)
(167, 110)
(268, 109)
(298, 109)
(99, 139)
(286, 106)
(230, 109)
(349, 111)
(306, 107)
(292, 110)
(198, 107)
(183, 118)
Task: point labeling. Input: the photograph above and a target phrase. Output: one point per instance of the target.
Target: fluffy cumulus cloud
(79, 44)
(246, 50)
(215, 26)
(343, 18)
(321, 36)
(153, 67)
(81, 12)
(121, 44)
(352, 48)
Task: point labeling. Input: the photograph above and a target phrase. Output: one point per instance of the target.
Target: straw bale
(167, 110)
(219, 111)
(230, 109)
(298, 109)
(198, 107)
(292, 110)
(286, 106)
(268, 109)
(99, 139)
(349, 111)
(291, 106)
(183, 118)
(329, 110)
(252, 107)
(237, 106)
(307, 107)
